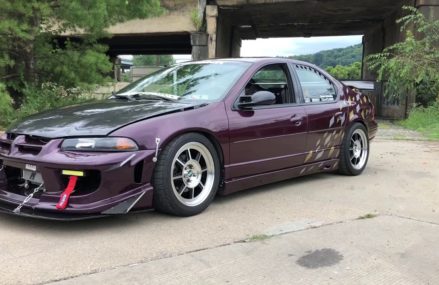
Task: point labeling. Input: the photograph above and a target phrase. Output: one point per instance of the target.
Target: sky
(295, 46)
(288, 46)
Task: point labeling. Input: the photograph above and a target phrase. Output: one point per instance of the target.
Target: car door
(326, 115)
(270, 137)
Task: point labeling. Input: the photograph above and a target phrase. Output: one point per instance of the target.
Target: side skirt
(239, 184)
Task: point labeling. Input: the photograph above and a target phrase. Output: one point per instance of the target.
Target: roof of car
(257, 59)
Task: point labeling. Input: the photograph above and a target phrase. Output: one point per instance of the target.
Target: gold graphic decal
(308, 157)
(351, 115)
(327, 140)
(319, 155)
(331, 122)
(318, 143)
(331, 151)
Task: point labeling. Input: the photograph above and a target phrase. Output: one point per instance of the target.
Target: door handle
(297, 121)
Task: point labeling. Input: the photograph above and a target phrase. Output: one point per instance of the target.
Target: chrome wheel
(358, 149)
(192, 174)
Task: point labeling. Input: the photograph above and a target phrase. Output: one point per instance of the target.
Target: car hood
(96, 119)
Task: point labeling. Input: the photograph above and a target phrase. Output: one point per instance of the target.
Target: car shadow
(89, 225)
(277, 186)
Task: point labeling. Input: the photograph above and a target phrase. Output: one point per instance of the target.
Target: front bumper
(118, 182)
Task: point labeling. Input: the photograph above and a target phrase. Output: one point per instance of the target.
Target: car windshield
(203, 81)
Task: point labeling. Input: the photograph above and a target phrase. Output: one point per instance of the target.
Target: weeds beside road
(424, 120)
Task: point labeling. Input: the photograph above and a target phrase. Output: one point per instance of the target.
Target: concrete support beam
(236, 44)
(373, 42)
(228, 36)
(199, 43)
(116, 68)
(430, 8)
(211, 22)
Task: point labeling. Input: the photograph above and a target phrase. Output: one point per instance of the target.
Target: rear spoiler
(360, 85)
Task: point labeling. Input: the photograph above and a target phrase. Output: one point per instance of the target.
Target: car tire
(186, 176)
(354, 152)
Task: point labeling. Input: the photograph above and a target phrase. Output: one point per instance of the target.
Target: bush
(6, 109)
(38, 99)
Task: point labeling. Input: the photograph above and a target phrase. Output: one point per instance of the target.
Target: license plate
(32, 177)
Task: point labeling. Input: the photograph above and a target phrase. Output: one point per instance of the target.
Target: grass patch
(384, 125)
(258, 238)
(424, 120)
(367, 216)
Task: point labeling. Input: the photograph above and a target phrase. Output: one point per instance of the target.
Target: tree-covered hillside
(333, 57)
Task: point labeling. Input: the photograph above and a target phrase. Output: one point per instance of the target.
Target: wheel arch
(358, 120)
(206, 133)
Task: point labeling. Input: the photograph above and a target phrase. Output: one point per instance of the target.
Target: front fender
(210, 119)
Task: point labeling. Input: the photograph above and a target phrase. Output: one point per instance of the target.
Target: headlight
(108, 144)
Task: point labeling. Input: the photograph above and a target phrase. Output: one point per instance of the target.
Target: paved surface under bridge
(302, 231)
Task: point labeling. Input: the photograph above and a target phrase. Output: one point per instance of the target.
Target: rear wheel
(186, 177)
(354, 151)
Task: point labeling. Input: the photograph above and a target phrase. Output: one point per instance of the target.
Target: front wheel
(354, 151)
(187, 175)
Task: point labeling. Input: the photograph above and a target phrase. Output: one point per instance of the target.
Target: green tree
(349, 72)
(6, 109)
(37, 46)
(157, 60)
(333, 57)
(411, 66)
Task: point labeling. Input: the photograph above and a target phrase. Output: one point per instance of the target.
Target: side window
(315, 86)
(271, 78)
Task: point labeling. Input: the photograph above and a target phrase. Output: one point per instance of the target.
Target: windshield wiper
(142, 95)
(123, 97)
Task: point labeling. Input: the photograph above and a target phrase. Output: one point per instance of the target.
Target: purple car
(176, 138)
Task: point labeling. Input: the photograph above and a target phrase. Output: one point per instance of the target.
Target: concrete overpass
(169, 33)
(225, 23)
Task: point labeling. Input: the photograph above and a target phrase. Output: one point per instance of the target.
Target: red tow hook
(65, 196)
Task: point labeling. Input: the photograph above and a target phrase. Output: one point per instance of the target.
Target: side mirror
(257, 99)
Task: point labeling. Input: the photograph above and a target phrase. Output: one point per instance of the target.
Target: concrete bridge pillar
(199, 41)
(384, 35)
(430, 8)
(228, 38)
(224, 39)
(376, 40)
(212, 26)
